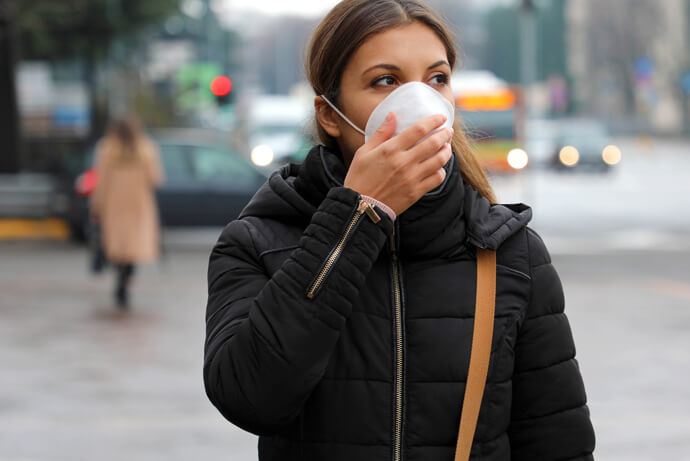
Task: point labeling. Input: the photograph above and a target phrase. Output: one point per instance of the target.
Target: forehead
(409, 44)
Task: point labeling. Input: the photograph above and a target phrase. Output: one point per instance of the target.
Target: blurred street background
(579, 108)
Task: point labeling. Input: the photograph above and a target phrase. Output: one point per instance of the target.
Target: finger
(411, 135)
(430, 145)
(383, 132)
(436, 161)
(433, 180)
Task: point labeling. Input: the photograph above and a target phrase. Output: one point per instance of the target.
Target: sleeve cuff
(385, 208)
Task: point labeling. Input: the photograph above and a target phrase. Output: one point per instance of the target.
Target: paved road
(642, 203)
(81, 381)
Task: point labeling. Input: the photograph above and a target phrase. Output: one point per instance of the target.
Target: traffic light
(221, 86)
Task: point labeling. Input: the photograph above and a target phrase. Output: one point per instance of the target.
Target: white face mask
(410, 103)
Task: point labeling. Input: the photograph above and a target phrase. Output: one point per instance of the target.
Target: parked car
(206, 183)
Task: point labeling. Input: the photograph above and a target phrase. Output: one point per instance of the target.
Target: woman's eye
(386, 80)
(439, 79)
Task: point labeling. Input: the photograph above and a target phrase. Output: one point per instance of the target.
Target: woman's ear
(327, 117)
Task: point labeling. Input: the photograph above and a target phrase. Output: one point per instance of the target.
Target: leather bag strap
(480, 352)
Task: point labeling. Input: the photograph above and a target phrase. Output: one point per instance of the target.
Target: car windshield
(219, 165)
(206, 164)
(584, 135)
(175, 162)
(584, 131)
(489, 125)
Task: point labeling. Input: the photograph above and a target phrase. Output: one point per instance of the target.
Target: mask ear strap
(342, 115)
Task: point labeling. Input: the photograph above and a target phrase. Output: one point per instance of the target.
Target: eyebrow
(439, 63)
(394, 67)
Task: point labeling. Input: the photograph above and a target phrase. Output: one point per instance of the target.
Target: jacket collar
(441, 223)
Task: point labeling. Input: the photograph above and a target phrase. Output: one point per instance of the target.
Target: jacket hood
(453, 212)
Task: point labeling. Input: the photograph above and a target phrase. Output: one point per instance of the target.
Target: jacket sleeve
(267, 343)
(550, 419)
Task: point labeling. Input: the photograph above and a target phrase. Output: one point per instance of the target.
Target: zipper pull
(365, 207)
(392, 241)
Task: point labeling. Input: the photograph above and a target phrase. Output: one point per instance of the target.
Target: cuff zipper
(363, 208)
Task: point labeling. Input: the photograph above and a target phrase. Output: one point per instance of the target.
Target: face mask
(410, 103)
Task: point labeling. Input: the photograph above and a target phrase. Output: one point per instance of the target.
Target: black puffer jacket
(335, 338)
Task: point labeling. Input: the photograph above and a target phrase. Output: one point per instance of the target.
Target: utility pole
(117, 99)
(685, 82)
(528, 51)
(9, 114)
(528, 75)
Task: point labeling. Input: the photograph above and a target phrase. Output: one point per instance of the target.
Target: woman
(341, 303)
(124, 202)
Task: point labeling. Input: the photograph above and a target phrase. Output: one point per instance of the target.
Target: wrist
(385, 208)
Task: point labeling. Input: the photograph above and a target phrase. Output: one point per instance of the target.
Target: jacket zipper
(397, 304)
(363, 208)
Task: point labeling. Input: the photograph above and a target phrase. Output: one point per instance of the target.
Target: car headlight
(262, 155)
(611, 155)
(569, 156)
(517, 159)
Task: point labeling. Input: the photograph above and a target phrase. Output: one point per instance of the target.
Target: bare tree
(618, 33)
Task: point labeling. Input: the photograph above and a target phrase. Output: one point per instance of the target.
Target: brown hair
(125, 137)
(346, 27)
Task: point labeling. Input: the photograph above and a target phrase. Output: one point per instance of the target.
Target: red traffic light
(221, 85)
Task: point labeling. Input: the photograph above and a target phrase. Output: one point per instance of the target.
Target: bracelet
(383, 206)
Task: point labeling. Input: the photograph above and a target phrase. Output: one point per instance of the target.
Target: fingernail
(389, 117)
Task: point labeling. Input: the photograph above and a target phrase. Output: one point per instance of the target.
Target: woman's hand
(397, 171)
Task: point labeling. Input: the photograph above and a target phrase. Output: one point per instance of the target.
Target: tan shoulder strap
(480, 352)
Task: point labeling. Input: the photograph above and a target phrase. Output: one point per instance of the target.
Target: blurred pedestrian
(341, 304)
(128, 167)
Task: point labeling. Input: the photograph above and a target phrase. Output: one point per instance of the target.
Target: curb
(34, 229)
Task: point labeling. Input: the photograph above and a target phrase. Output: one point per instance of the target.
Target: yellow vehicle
(490, 110)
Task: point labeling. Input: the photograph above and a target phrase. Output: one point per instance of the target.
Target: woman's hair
(125, 138)
(346, 27)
